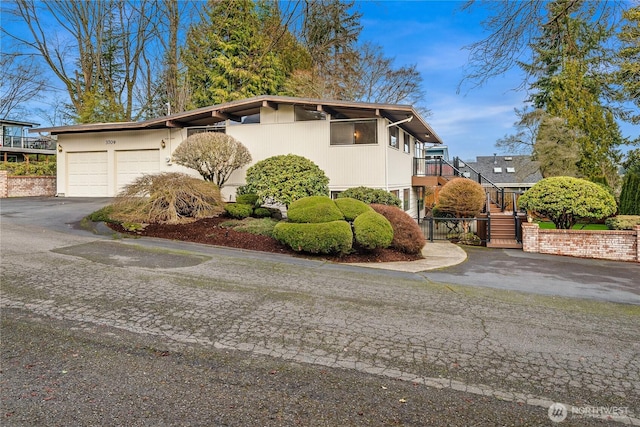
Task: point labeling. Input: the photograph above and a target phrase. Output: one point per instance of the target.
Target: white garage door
(87, 174)
(131, 164)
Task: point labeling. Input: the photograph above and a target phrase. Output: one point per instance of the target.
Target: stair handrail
(482, 180)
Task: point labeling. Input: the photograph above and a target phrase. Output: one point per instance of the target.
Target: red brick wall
(619, 245)
(26, 186)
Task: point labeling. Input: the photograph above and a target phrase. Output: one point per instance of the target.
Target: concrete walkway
(436, 255)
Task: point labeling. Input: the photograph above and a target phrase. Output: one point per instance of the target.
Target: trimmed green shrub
(284, 179)
(372, 230)
(238, 210)
(314, 209)
(319, 238)
(371, 195)
(33, 168)
(262, 213)
(566, 200)
(247, 199)
(351, 208)
(407, 234)
(622, 222)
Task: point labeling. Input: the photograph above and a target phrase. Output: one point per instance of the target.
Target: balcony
(27, 145)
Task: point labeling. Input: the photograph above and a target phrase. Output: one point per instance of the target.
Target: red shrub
(407, 234)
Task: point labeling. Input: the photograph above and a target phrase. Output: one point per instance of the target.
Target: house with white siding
(354, 143)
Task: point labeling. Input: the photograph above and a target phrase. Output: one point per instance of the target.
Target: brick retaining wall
(26, 186)
(619, 245)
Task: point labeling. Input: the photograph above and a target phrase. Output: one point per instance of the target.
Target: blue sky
(432, 35)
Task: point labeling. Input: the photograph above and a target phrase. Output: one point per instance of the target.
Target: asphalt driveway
(146, 332)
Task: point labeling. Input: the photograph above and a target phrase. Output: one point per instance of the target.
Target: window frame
(353, 132)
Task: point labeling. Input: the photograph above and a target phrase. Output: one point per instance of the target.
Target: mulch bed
(208, 231)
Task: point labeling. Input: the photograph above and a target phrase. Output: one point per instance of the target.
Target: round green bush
(314, 209)
(319, 238)
(284, 179)
(238, 210)
(351, 208)
(407, 234)
(247, 199)
(261, 213)
(371, 195)
(372, 230)
(566, 200)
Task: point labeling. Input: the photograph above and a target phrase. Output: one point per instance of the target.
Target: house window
(354, 132)
(497, 170)
(419, 153)
(407, 143)
(406, 198)
(511, 170)
(303, 114)
(217, 128)
(334, 194)
(393, 136)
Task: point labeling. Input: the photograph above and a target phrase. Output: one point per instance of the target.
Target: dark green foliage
(261, 213)
(623, 222)
(247, 199)
(320, 238)
(372, 230)
(285, 179)
(351, 208)
(565, 200)
(314, 209)
(31, 168)
(102, 215)
(407, 234)
(371, 195)
(238, 210)
(630, 195)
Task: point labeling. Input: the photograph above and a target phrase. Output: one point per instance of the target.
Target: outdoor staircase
(503, 229)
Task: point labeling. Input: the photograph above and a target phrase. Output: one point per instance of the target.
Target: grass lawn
(548, 225)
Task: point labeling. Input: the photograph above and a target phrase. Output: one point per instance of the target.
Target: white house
(355, 144)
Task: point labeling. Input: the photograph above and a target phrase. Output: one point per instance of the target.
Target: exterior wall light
(59, 148)
(163, 144)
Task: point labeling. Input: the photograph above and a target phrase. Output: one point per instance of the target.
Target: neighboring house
(355, 144)
(514, 173)
(15, 144)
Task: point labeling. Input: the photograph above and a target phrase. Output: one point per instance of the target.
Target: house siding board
(277, 133)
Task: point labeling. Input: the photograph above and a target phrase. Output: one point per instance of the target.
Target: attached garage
(130, 164)
(87, 174)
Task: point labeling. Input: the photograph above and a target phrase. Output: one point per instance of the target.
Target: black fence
(451, 228)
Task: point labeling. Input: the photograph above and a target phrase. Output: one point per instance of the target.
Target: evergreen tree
(630, 195)
(628, 62)
(570, 85)
(228, 56)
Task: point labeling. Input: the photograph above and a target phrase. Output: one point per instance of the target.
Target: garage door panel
(131, 164)
(87, 174)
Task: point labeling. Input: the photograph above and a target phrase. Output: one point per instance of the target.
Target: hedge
(314, 209)
(351, 208)
(238, 210)
(319, 238)
(372, 230)
(407, 234)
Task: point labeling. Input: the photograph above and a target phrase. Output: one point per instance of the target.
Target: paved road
(501, 345)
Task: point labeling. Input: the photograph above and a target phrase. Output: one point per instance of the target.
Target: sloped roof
(506, 169)
(234, 110)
